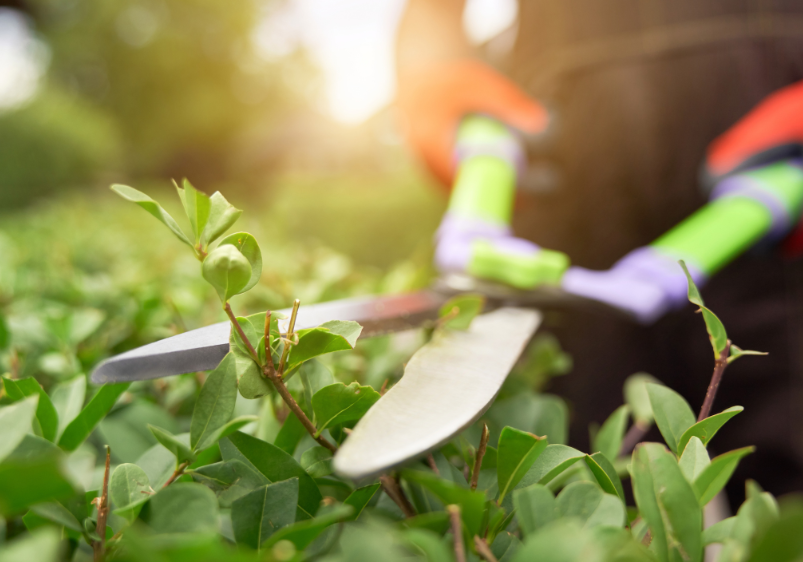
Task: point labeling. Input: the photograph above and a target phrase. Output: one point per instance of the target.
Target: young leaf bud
(227, 270)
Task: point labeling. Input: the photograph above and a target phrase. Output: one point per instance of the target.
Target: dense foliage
(220, 466)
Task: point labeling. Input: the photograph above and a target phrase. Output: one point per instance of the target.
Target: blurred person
(610, 111)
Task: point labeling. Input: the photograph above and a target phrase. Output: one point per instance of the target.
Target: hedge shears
(452, 380)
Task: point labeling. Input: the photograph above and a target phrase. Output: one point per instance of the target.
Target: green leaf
(535, 507)
(215, 404)
(605, 474)
(259, 514)
(97, 408)
(435, 521)
(290, 435)
(563, 540)
(715, 328)
(183, 507)
(68, 399)
(707, 428)
(317, 461)
(667, 502)
(314, 376)
(472, 503)
(250, 382)
(719, 531)
(170, 442)
(16, 421)
(737, 352)
(554, 460)
(236, 343)
(197, 207)
(274, 464)
(336, 335)
(152, 207)
(222, 215)
(461, 310)
(595, 508)
(43, 545)
(782, 541)
(129, 489)
(694, 459)
(516, 453)
(227, 270)
(359, 498)
(46, 413)
(505, 546)
(302, 534)
(755, 516)
(230, 480)
(672, 414)
(637, 397)
(58, 514)
(228, 428)
(24, 482)
(248, 247)
(338, 403)
(714, 477)
(608, 440)
(430, 544)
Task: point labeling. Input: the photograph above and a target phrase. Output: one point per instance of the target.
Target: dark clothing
(641, 87)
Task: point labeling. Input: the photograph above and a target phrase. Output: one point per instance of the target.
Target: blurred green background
(145, 91)
(141, 92)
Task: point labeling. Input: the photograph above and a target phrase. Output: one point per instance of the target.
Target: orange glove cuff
(434, 98)
(771, 131)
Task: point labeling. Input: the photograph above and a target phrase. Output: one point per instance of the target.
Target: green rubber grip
(485, 184)
(723, 229)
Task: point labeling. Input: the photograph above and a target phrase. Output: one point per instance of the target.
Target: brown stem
(719, 368)
(484, 550)
(633, 437)
(277, 381)
(457, 532)
(240, 332)
(267, 337)
(475, 474)
(178, 472)
(289, 336)
(433, 465)
(99, 547)
(394, 492)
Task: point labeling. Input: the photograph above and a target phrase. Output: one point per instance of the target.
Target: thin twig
(633, 437)
(719, 368)
(433, 465)
(99, 547)
(457, 532)
(291, 327)
(277, 381)
(178, 472)
(475, 474)
(484, 550)
(242, 335)
(391, 487)
(267, 338)
(384, 388)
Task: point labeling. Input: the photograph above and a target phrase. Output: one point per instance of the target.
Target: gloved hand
(645, 283)
(771, 131)
(475, 236)
(760, 204)
(433, 99)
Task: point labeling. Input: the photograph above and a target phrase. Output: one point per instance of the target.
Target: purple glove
(456, 236)
(644, 283)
